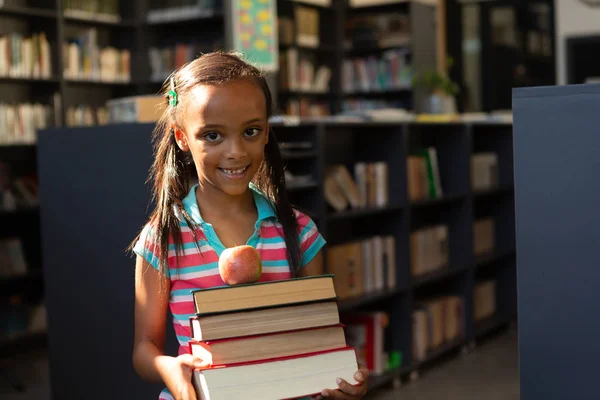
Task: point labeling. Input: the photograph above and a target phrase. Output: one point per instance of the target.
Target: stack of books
(270, 340)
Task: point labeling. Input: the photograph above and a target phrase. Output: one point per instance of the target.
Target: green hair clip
(172, 94)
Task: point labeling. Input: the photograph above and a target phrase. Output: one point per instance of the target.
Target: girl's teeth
(234, 171)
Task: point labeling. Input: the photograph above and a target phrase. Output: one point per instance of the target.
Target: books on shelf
(307, 26)
(368, 188)
(484, 237)
(377, 31)
(435, 322)
(424, 180)
(17, 193)
(365, 332)
(84, 59)
(94, 10)
(280, 339)
(301, 72)
(20, 122)
(86, 115)
(388, 72)
(175, 10)
(484, 170)
(12, 258)
(484, 299)
(429, 250)
(25, 56)
(164, 60)
(363, 266)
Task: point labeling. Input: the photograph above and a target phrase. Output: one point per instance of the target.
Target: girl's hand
(347, 391)
(177, 375)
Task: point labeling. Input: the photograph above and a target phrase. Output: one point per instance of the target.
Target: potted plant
(440, 91)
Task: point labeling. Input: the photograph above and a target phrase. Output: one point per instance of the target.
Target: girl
(218, 111)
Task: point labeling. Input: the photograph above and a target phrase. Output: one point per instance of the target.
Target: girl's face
(225, 128)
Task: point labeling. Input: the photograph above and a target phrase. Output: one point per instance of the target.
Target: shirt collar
(264, 206)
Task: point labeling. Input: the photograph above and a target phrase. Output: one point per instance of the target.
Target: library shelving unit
(458, 209)
(107, 174)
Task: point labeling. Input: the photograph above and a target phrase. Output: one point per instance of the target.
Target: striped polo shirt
(197, 266)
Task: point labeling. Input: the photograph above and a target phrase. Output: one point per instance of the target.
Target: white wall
(573, 18)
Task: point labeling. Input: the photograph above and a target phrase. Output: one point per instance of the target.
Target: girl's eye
(252, 132)
(212, 136)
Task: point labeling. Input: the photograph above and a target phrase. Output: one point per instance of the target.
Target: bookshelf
(311, 147)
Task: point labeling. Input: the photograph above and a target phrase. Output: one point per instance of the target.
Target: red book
(271, 345)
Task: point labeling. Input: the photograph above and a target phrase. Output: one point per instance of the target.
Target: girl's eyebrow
(218, 126)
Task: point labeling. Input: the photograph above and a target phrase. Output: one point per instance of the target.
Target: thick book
(262, 321)
(250, 296)
(278, 378)
(271, 345)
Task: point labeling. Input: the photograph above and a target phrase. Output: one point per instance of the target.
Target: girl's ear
(181, 139)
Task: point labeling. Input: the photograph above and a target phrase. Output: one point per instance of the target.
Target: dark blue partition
(94, 201)
(557, 206)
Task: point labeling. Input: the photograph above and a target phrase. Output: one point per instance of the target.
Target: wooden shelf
(363, 212)
(441, 351)
(436, 276)
(438, 201)
(129, 24)
(350, 304)
(27, 12)
(490, 324)
(485, 259)
(7, 79)
(302, 186)
(402, 91)
(322, 48)
(300, 154)
(374, 49)
(86, 82)
(503, 189)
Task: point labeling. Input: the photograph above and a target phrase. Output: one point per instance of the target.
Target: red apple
(240, 264)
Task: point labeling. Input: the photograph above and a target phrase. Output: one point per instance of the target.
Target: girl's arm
(314, 266)
(151, 304)
(150, 320)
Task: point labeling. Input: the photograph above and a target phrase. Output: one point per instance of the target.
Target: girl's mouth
(234, 173)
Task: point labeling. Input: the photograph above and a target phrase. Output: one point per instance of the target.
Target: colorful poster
(255, 32)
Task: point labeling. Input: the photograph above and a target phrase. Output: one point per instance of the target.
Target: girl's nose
(236, 148)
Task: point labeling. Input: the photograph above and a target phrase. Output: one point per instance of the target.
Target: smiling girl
(215, 131)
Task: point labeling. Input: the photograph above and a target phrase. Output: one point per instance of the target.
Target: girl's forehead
(237, 97)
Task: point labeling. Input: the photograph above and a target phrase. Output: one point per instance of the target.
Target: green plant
(434, 81)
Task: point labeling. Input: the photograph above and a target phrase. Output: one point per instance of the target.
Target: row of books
(390, 71)
(20, 318)
(20, 122)
(306, 108)
(19, 192)
(484, 299)
(164, 60)
(368, 188)
(25, 56)
(301, 72)
(12, 258)
(365, 332)
(358, 104)
(381, 30)
(277, 339)
(86, 115)
(174, 10)
(84, 59)
(429, 250)
(98, 10)
(436, 321)
(363, 266)
(423, 173)
(484, 170)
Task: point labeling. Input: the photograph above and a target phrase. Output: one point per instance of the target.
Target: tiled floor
(489, 372)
